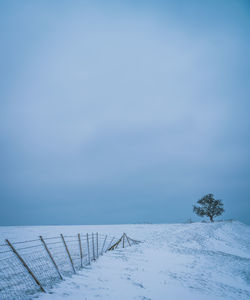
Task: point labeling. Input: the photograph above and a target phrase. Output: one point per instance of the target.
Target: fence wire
(29, 267)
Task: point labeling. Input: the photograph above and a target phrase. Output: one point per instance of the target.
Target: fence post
(88, 246)
(116, 244)
(93, 246)
(80, 245)
(123, 243)
(109, 244)
(51, 257)
(67, 250)
(26, 266)
(97, 250)
(103, 245)
(128, 240)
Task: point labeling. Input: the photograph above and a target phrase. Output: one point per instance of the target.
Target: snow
(200, 261)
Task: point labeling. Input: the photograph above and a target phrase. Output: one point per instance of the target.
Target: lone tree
(209, 207)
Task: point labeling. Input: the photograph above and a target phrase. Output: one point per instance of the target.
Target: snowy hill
(175, 261)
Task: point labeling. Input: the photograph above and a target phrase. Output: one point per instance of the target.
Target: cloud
(117, 103)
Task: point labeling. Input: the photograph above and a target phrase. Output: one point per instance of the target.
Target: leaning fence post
(26, 266)
(110, 244)
(93, 246)
(51, 257)
(128, 240)
(88, 246)
(67, 250)
(80, 245)
(103, 245)
(116, 244)
(97, 250)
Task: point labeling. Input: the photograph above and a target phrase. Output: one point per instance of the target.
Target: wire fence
(33, 266)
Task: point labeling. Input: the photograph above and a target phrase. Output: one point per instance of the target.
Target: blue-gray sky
(123, 112)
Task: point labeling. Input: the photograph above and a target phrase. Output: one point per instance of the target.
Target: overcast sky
(123, 112)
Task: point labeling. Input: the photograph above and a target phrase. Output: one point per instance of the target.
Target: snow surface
(198, 261)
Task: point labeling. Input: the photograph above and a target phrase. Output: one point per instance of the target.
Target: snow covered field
(175, 261)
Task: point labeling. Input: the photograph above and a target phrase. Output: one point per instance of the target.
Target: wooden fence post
(109, 244)
(103, 244)
(123, 243)
(80, 246)
(97, 250)
(26, 266)
(88, 247)
(51, 257)
(93, 246)
(67, 250)
(116, 244)
(128, 240)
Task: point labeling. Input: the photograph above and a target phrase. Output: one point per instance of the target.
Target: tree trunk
(211, 219)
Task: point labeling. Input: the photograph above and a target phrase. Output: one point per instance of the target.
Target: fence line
(29, 267)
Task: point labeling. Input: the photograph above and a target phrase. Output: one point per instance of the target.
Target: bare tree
(208, 206)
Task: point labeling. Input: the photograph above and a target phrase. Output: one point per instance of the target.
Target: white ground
(175, 261)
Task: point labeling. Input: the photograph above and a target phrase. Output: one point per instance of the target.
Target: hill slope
(189, 261)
